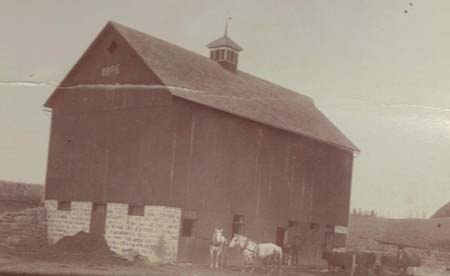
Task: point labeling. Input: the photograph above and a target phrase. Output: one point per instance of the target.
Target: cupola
(225, 51)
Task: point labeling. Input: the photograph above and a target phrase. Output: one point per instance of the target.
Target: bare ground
(36, 263)
(39, 263)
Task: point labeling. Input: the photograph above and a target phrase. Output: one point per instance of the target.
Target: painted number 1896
(110, 71)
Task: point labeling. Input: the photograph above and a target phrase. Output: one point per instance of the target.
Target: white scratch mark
(303, 187)
(27, 83)
(257, 178)
(172, 165)
(191, 150)
(400, 105)
(127, 86)
(174, 89)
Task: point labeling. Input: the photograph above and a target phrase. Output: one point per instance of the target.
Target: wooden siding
(190, 156)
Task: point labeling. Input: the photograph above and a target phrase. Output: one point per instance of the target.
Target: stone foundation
(67, 223)
(153, 235)
(25, 229)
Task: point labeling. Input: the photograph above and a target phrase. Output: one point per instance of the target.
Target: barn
(153, 146)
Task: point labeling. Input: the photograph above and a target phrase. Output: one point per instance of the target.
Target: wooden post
(352, 269)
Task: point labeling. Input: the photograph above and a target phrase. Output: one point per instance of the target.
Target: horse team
(269, 254)
(266, 253)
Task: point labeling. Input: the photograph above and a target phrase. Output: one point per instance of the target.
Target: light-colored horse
(267, 253)
(216, 248)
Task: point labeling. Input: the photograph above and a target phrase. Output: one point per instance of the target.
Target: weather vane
(226, 24)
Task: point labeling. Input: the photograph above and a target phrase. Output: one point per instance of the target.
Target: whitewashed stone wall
(154, 235)
(67, 223)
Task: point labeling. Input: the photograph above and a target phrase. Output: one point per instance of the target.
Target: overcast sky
(379, 69)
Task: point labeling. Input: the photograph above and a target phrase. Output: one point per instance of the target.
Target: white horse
(216, 248)
(267, 253)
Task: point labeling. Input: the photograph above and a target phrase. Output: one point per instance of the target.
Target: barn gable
(109, 60)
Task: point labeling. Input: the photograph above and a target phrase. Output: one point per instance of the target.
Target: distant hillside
(443, 212)
(16, 196)
(425, 233)
(16, 191)
(432, 236)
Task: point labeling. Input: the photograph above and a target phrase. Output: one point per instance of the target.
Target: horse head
(233, 241)
(218, 237)
(237, 239)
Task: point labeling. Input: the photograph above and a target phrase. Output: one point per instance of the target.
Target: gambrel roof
(204, 81)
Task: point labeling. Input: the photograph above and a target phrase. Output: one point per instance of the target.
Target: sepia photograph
(228, 138)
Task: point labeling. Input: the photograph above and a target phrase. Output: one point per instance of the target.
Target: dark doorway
(187, 243)
(98, 219)
(237, 225)
(187, 227)
(280, 236)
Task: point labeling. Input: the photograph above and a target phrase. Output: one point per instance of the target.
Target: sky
(379, 70)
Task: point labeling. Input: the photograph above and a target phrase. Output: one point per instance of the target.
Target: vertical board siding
(183, 154)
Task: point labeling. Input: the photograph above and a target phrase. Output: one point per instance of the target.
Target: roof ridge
(160, 40)
(209, 60)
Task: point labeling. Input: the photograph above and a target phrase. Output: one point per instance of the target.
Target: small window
(187, 227)
(238, 224)
(136, 210)
(64, 205)
(292, 223)
(314, 226)
(222, 54)
(112, 47)
(99, 207)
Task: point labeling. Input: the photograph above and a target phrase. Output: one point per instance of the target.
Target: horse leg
(252, 265)
(280, 264)
(245, 264)
(211, 256)
(272, 268)
(218, 253)
(224, 259)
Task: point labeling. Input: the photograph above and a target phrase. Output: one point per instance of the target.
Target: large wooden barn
(153, 146)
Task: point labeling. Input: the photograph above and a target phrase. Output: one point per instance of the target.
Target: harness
(217, 242)
(245, 247)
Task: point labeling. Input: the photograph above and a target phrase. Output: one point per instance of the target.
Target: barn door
(98, 219)
(186, 246)
(280, 236)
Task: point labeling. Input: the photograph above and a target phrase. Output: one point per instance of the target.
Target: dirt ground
(37, 263)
